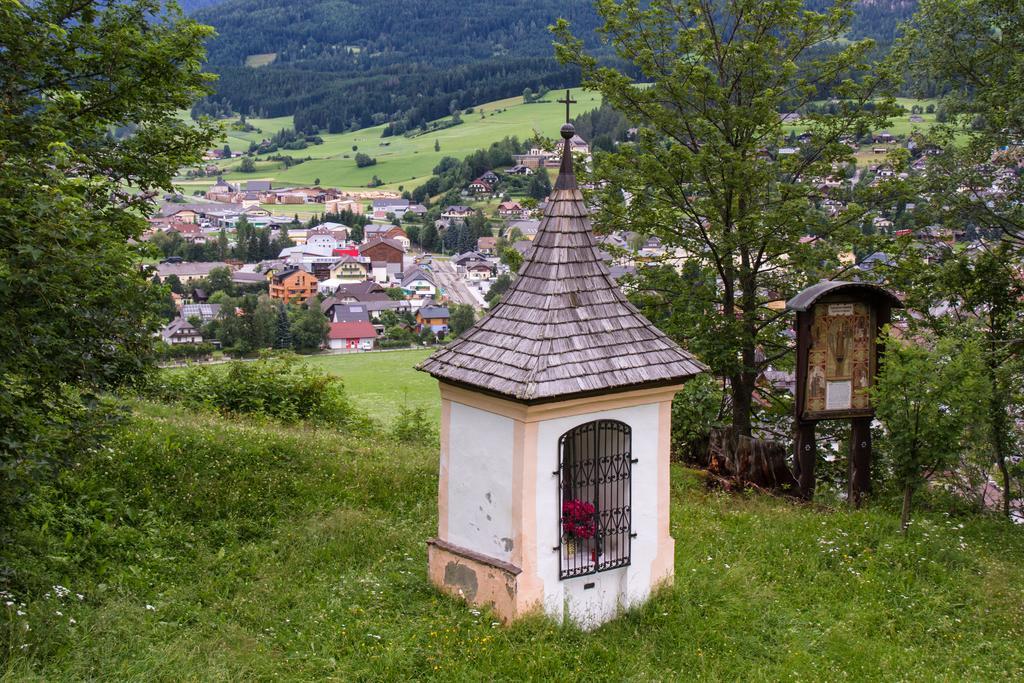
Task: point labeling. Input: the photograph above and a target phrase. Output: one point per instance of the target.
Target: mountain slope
(342, 64)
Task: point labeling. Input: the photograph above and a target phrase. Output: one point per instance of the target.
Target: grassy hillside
(214, 549)
(402, 161)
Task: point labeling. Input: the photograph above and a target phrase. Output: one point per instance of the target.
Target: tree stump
(750, 461)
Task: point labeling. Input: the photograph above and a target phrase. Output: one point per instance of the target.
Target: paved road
(454, 288)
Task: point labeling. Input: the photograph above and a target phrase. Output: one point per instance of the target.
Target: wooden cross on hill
(567, 101)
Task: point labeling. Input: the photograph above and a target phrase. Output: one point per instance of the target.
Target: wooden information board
(840, 361)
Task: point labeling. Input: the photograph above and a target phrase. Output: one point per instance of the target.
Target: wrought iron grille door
(595, 462)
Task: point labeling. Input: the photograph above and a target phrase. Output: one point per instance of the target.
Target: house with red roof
(352, 336)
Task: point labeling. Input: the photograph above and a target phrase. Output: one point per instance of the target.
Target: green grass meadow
(213, 549)
(401, 161)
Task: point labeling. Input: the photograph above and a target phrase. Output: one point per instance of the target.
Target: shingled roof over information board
(563, 328)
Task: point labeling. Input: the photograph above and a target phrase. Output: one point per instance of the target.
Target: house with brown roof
(383, 250)
(510, 210)
(292, 284)
(180, 331)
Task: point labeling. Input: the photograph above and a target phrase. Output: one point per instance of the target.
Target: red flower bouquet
(578, 519)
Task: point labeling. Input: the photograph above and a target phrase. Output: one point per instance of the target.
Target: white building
(554, 465)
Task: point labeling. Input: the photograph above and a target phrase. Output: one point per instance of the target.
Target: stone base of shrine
(479, 580)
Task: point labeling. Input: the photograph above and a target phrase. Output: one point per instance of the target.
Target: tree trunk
(742, 402)
(999, 423)
(908, 494)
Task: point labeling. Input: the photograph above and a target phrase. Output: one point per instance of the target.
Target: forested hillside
(341, 64)
(344, 64)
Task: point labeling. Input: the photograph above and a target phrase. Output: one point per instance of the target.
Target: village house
(292, 284)
(486, 245)
(350, 269)
(258, 186)
(461, 260)
(510, 210)
(419, 284)
(386, 256)
(352, 336)
(457, 212)
(375, 308)
(349, 313)
(183, 215)
(392, 232)
(579, 146)
(433, 317)
(480, 186)
(519, 169)
(245, 278)
(362, 292)
(526, 227)
(535, 158)
(187, 271)
(382, 207)
(478, 270)
(180, 331)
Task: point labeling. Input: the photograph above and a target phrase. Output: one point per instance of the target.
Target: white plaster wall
(480, 481)
(616, 588)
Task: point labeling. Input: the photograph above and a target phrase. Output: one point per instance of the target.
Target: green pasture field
(382, 382)
(401, 161)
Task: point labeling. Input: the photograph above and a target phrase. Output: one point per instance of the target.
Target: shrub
(276, 386)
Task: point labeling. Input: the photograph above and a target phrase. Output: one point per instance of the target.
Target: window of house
(594, 498)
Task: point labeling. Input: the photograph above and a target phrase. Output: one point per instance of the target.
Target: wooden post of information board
(838, 356)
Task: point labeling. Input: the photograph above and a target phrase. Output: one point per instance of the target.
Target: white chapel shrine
(553, 492)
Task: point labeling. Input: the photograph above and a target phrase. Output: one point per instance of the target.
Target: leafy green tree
(283, 338)
(927, 398)
(428, 238)
(719, 73)
(413, 232)
(76, 313)
(462, 317)
(498, 288)
(309, 329)
(174, 282)
(395, 293)
(512, 258)
(219, 280)
(437, 145)
(223, 249)
(247, 165)
(975, 50)
(539, 186)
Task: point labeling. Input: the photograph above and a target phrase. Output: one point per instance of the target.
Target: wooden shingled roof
(563, 328)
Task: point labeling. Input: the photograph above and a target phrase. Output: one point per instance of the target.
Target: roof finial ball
(568, 131)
